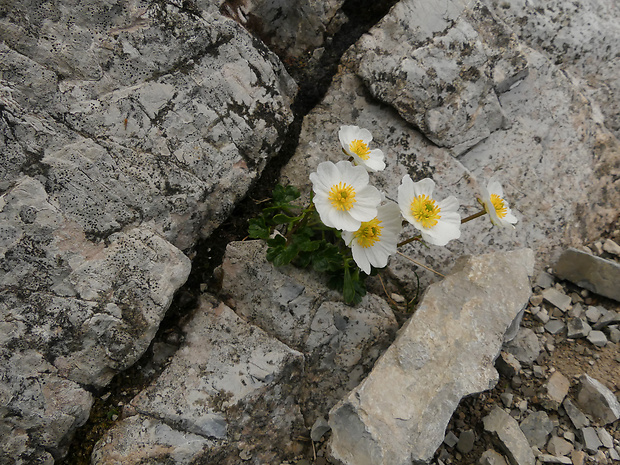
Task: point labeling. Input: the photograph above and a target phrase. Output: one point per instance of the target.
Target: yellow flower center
(359, 148)
(368, 233)
(342, 196)
(500, 206)
(425, 210)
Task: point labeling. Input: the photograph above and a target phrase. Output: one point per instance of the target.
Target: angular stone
(611, 247)
(576, 416)
(593, 314)
(466, 442)
(578, 328)
(556, 390)
(610, 318)
(525, 347)
(139, 439)
(546, 458)
(606, 439)
(319, 428)
(544, 280)
(596, 399)
(597, 338)
(593, 273)
(507, 365)
(558, 446)
(590, 439)
(555, 326)
(490, 457)
(222, 355)
(508, 436)
(368, 426)
(537, 427)
(557, 298)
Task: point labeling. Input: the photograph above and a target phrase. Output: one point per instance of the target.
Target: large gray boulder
(441, 65)
(238, 389)
(129, 129)
(582, 38)
(399, 413)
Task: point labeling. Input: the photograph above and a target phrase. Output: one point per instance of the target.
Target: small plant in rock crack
(350, 229)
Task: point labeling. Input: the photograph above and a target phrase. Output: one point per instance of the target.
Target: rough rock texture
(295, 306)
(399, 413)
(239, 390)
(290, 28)
(597, 400)
(127, 130)
(553, 130)
(442, 65)
(582, 38)
(593, 273)
(509, 437)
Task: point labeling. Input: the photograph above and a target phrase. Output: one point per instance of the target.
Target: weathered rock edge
(399, 413)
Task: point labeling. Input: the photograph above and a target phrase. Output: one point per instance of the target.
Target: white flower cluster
(370, 224)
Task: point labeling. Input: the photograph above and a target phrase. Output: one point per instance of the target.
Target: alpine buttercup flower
(343, 197)
(496, 206)
(355, 143)
(375, 240)
(438, 222)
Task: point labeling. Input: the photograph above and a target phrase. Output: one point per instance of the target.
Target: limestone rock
(509, 437)
(441, 65)
(556, 390)
(399, 413)
(128, 130)
(580, 38)
(525, 346)
(594, 398)
(537, 427)
(576, 416)
(295, 306)
(593, 273)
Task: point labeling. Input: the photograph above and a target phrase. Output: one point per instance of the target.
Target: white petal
(424, 187)
(342, 220)
(360, 258)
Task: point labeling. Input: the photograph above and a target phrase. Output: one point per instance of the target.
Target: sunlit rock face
(129, 130)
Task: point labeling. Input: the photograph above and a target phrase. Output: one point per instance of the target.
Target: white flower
(375, 240)
(355, 141)
(343, 197)
(438, 222)
(496, 206)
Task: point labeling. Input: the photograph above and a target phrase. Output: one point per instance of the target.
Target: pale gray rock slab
(591, 440)
(223, 360)
(555, 326)
(610, 318)
(342, 342)
(597, 338)
(557, 298)
(399, 413)
(596, 399)
(537, 427)
(607, 439)
(490, 457)
(509, 437)
(441, 65)
(525, 347)
(577, 328)
(577, 417)
(559, 446)
(35, 401)
(581, 38)
(547, 458)
(556, 390)
(142, 439)
(593, 273)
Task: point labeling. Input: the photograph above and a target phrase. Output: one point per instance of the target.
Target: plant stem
(474, 216)
(411, 239)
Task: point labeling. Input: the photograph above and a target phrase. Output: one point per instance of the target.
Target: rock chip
(597, 338)
(557, 298)
(490, 457)
(576, 416)
(525, 347)
(597, 400)
(591, 440)
(399, 413)
(509, 437)
(578, 328)
(558, 446)
(593, 273)
(537, 427)
(556, 390)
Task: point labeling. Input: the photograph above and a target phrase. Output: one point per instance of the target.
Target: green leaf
(258, 228)
(281, 218)
(284, 195)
